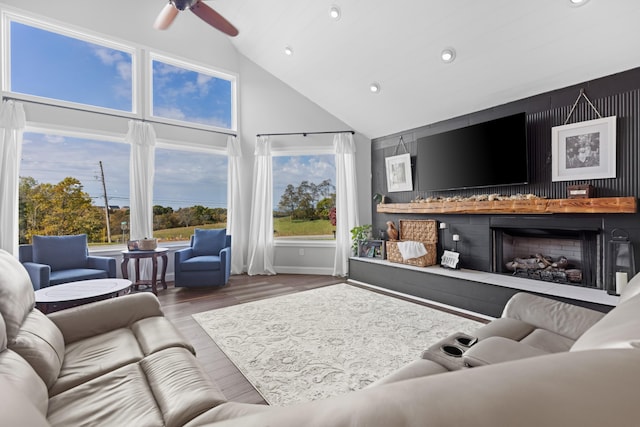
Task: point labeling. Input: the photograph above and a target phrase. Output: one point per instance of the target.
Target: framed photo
(450, 259)
(399, 173)
(585, 150)
(372, 249)
(132, 245)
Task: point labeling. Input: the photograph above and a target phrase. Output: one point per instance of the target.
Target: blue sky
(55, 66)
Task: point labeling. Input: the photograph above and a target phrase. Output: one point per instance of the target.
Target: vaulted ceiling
(505, 49)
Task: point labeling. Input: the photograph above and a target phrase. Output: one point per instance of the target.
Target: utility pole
(106, 204)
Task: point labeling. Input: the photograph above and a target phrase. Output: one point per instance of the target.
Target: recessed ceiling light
(288, 50)
(374, 87)
(448, 55)
(578, 2)
(334, 12)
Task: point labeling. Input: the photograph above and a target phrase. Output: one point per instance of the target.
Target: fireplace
(559, 250)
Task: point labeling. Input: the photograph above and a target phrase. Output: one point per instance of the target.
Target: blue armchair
(207, 262)
(52, 260)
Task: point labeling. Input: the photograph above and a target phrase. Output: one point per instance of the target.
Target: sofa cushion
(504, 327)
(201, 263)
(91, 357)
(118, 398)
(41, 344)
(618, 329)
(16, 293)
(17, 371)
(61, 252)
(208, 241)
(548, 341)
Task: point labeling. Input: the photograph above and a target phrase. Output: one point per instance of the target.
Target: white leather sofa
(543, 363)
(117, 362)
(121, 363)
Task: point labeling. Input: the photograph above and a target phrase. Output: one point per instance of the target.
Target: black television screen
(487, 154)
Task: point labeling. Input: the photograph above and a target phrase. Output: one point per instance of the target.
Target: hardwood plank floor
(179, 304)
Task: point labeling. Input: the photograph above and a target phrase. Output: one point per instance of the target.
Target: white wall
(267, 105)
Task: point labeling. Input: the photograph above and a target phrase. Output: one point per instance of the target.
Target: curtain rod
(123, 116)
(306, 133)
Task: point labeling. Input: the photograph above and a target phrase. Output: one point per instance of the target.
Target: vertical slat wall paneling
(617, 95)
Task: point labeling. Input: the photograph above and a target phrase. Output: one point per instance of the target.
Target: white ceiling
(506, 50)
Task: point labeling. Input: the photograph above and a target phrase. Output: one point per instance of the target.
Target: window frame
(288, 151)
(153, 55)
(68, 31)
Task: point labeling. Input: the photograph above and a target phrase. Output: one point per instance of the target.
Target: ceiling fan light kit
(200, 9)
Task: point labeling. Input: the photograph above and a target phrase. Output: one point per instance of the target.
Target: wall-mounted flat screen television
(488, 154)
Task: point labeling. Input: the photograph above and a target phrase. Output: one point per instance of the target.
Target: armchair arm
(103, 316)
(225, 262)
(182, 255)
(107, 264)
(565, 319)
(39, 274)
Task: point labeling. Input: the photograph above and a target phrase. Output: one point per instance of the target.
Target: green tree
(59, 209)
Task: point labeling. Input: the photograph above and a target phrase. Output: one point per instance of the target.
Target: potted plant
(359, 234)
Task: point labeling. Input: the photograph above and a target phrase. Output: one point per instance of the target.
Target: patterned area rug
(327, 341)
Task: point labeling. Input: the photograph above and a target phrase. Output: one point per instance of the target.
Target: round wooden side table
(153, 255)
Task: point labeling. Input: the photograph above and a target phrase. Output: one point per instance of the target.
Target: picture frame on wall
(399, 173)
(584, 150)
(372, 249)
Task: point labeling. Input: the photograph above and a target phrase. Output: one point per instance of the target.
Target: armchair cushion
(208, 242)
(202, 263)
(61, 252)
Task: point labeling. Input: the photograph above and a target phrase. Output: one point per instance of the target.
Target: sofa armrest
(565, 319)
(498, 349)
(88, 320)
(107, 264)
(38, 273)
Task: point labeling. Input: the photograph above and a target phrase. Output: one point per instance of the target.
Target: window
(64, 182)
(56, 66)
(186, 93)
(304, 196)
(190, 190)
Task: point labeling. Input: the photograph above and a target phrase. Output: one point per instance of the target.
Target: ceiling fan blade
(213, 18)
(166, 17)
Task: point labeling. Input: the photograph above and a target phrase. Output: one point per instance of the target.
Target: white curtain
(260, 253)
(12, 123)
(346, 200)
(142, 138)
(234, 205)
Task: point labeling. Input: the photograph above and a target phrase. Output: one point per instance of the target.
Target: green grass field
(283, 227)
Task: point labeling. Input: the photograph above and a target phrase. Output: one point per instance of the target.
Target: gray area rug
(327, 341)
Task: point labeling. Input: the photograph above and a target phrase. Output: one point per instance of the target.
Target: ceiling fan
(204, 12)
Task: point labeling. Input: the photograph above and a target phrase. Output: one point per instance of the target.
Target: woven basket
(148, 244)
(423, 230)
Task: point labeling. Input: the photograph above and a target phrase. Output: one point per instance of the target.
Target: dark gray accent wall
(617, 95)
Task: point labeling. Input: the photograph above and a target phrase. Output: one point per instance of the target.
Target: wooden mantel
(532, 206)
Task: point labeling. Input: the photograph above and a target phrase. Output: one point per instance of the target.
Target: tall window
(66, 184)
(189, 190)
(186, 93)
(72, 184)
(304, 196)
(57, 66)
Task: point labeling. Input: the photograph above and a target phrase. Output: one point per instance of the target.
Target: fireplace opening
(561, 255)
